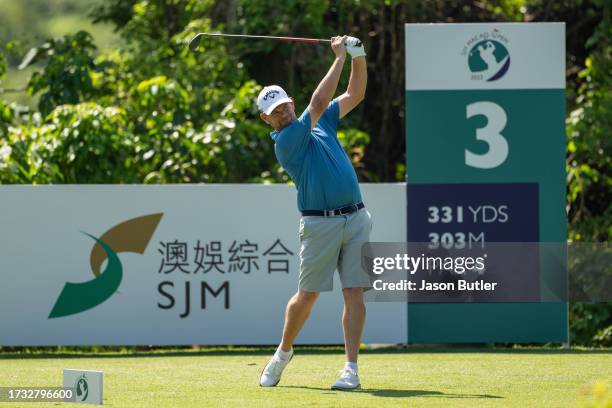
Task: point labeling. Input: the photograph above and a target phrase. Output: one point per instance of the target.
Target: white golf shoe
(348, 380)
(271, 374)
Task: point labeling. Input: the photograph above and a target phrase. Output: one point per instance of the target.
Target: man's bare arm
(355, 92)
(327, 87)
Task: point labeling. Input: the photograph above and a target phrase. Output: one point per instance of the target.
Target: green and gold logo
(130, 236)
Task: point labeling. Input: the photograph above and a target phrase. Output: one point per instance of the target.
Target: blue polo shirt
(320, 168)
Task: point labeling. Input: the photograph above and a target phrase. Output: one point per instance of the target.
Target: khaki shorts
(330, 243)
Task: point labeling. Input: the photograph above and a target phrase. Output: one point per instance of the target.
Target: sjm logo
(130, 236)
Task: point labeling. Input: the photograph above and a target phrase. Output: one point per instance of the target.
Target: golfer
(334, 223)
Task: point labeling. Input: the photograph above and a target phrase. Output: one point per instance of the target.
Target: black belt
(338, 211)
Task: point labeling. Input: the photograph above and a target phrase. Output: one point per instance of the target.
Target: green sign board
(485, 138)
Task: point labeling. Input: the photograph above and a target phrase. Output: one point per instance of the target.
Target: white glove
(354, 47)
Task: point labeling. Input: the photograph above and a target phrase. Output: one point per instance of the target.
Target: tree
(589, 168)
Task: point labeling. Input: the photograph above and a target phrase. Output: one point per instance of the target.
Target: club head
(195, 42)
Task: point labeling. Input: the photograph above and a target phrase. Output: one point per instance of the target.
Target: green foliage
(591, 323)
(243, 140)
(17, 164)
(589, 169)
(233, 148)
(8, 169)
(158, 101)
(6, 112)
(118, 12)
(2, 66)
(66, 77)
(82, 143)
(166, 142)
(278, 18)
(589, 143)
(6, 117)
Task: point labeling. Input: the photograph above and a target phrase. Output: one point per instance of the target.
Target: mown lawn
(418, 377)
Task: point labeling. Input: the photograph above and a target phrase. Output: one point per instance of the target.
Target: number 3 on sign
(491, 134)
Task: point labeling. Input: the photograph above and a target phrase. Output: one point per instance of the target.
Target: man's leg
(354, 280)
(353, 319)
(298, 310)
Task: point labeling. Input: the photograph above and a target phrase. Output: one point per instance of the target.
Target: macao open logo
(81, 388)
(488, 58)
(130, 236)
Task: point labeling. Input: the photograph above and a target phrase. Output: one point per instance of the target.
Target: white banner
(185, 264)
(485, 56)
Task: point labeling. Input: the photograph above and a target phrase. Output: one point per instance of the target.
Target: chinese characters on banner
(181, 259)
(202, 258)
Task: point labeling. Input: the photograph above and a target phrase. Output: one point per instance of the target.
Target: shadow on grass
(73, 352)
(396, 393)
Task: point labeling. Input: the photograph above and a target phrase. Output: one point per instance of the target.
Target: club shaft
(268, 37)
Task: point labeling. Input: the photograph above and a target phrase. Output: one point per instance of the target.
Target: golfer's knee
(353, 297)
(307, 298)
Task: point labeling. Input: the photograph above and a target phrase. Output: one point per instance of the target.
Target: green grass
(418, 377)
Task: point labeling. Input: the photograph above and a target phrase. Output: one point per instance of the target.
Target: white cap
(270, 97)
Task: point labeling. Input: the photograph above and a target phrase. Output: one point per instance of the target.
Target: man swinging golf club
(334, 223)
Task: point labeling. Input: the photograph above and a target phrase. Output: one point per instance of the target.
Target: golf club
(195, 41)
